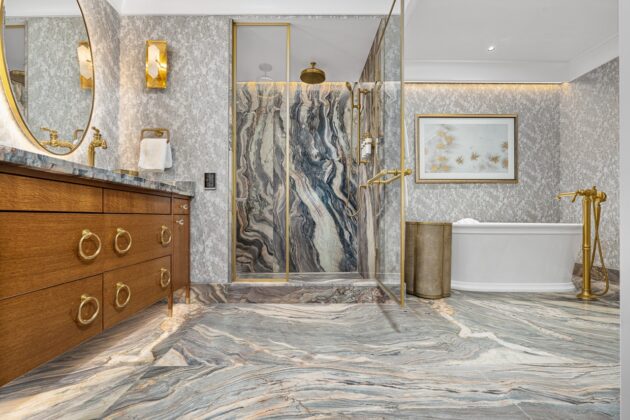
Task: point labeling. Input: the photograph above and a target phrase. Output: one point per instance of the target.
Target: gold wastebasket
(428, 259)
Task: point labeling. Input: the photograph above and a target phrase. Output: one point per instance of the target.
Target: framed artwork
(466, 148)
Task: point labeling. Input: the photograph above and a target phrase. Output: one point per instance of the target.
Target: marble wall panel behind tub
(103, 24)
(532, 198)
(195, 107)
(322, 192)
(589, 148)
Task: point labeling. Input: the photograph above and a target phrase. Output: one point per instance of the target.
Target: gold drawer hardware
(87, 234)
(184, 206)
(180, 222)
(87, 299)
(119, 234)
(165, 236)
(165, 278)
(120, 286)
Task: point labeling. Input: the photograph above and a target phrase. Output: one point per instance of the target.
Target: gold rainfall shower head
(313, 75)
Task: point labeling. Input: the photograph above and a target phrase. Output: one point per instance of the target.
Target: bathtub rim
(493, 228)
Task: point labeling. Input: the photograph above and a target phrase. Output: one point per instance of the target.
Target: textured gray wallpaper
(103, 25)
(589, 148)
(195, 108)
(532, 199)
(56, 99)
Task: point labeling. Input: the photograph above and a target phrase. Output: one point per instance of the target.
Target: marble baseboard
(208, 294)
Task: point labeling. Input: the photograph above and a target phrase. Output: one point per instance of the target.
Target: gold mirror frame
(8, 90)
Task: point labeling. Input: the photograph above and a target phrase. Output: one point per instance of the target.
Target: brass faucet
(97, 141)
(54, 140)
(592, 200)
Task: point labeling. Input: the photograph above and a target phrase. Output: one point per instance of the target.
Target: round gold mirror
(47, 71)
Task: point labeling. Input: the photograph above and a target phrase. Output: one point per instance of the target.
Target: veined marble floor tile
(471, 356)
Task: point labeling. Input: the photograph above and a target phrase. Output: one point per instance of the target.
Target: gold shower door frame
(402, 168)
(234, 275)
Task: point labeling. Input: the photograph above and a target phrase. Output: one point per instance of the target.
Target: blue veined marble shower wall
(322, 191)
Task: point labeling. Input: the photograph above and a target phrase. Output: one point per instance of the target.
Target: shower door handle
(394, 174)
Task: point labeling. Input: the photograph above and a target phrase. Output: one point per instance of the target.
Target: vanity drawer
(151, 237)
(131, 289)
(181, 206)
(115, 201)
(21, 193)
(39, 250)
(38, 326)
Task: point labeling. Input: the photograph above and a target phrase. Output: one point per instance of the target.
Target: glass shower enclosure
(318, 169)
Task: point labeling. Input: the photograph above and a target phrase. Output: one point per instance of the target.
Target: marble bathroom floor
(473, 355)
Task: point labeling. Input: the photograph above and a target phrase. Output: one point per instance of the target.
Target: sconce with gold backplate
(156, 65)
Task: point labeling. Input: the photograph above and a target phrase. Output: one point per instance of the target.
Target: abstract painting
(466, 148)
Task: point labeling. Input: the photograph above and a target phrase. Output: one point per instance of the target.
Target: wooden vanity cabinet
(79, 256)
(181, 253)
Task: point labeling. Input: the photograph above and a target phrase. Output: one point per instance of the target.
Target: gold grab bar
(393, 174)
(592, 200)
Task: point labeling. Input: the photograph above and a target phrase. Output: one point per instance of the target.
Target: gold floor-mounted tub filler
(592, 200)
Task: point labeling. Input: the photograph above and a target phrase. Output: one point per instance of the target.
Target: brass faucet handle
(54, 134)
(573, 195)
(97, 133)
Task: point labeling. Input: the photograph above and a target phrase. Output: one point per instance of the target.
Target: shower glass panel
(382, 171)
(318, 163)
(260, 188)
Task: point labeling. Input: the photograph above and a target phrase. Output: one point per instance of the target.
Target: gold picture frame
(156, 64)
(486, 150)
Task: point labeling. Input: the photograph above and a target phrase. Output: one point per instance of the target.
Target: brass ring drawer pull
(86, 299)
(120, 286)
(184, 206)
(180, 222)
(87, 234)
(165, 278)
(119, 234)
(165, 236)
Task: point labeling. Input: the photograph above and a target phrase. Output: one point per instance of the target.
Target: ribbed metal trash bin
(428, 259)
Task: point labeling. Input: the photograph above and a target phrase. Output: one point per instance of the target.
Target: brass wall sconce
(86, 67)
(157, 65)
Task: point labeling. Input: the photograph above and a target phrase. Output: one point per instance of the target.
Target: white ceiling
(252, 7)
(536, 40)
(446, 40)
(339, 46)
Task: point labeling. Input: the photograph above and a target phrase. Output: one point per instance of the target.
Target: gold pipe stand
(591, 200)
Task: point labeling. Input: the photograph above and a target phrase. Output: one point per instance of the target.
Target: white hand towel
(153, 155)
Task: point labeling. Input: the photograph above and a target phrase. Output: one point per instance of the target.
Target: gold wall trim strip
(234, 275)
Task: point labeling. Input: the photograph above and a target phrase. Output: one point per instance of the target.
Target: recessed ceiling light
(492, 48)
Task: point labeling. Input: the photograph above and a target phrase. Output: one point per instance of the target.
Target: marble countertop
(52, 164)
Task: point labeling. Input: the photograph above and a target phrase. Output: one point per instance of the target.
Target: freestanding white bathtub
(514, 257)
